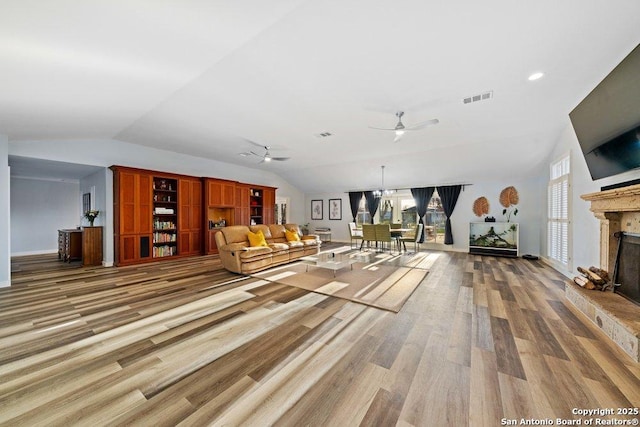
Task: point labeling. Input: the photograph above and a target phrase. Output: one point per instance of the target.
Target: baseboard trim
(44, 252)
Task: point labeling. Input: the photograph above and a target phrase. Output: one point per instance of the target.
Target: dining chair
(396, 235)
(354, 233)
(415, 238)
(368, 234)
(383, 235)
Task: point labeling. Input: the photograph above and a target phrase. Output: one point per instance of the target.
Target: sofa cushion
(309, 242)
(235, 233)
(291, 236)
(256, 239)
(277, 232)
(261, 227)
(296, 244)
(255, 252)
(279, 246)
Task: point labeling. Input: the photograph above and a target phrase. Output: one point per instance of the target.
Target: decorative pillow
(291, 236)
(256, 239)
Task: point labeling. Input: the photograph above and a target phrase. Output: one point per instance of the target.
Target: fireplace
(616, 313)
(627, 267)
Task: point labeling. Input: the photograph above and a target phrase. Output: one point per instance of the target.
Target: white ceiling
(203, 77)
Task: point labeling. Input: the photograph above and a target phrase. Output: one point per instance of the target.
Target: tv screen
(607, 121)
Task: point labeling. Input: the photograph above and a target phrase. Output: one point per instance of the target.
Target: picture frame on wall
(86, 202)
(335, 209)
(316, 209)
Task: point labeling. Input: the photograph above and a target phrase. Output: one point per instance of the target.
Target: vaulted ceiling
(215, 78)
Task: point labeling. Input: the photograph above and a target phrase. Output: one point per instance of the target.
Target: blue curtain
(449, 197)
(372, 203)
(354, 201)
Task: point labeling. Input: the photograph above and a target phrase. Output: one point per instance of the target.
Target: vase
(91, 223)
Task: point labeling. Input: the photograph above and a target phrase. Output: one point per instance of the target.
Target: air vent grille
(323, 134)
(479, 97)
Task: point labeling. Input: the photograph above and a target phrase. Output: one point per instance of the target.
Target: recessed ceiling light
(535, 76)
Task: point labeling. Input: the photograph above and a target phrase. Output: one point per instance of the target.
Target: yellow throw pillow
(291, 236)
(257, 239)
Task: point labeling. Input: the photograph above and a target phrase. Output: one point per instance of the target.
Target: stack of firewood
(592, 278)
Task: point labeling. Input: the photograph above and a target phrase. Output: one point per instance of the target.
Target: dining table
(397, 233)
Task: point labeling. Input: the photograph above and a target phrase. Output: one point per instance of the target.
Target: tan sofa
(237, 256)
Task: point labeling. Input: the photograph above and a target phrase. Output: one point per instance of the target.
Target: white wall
(339, 228)
(585, 228)
(5, 239)
(38, 209)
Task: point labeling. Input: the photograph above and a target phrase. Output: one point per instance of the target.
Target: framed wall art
(335, 209)
(316, 209)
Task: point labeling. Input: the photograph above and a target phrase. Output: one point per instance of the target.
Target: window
(435, 220)
(363, 216)
(385, 211)
(401, 208)
(408, 215)
(558, 213)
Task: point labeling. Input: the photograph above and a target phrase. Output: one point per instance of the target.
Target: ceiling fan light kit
(400, 128)
(266, 157)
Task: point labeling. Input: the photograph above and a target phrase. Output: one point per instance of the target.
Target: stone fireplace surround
(619, 318)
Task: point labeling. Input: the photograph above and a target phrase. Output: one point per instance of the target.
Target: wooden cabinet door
(214, 193)
(229, 194)
(92, 246)
(133, 248)
(242, 205)
(133, 220)
(213, 247)
(190, 217)
(134, 202)
(220, 193)
(269, 205)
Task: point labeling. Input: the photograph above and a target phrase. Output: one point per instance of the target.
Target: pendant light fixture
(382, 191)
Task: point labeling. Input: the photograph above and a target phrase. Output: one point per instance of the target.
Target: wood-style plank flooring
(187, 343)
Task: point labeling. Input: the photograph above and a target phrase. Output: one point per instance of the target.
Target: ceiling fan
(400, 128)
(266, 157)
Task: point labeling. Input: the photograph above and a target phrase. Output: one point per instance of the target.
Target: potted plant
(304, 228)
(91, 216)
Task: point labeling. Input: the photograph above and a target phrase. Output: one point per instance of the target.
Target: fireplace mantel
(618, 210)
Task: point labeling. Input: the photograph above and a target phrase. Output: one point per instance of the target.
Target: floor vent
(476, 98)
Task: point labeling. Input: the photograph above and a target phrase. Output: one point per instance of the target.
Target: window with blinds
(558, 214)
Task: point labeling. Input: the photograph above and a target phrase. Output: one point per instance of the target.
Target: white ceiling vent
(476, 98)
(323, 134)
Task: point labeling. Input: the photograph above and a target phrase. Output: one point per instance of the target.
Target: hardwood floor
(187, 343)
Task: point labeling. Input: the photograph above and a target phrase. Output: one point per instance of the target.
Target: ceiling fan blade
(255, 154)
(256, 144)
(423, 125)
(372, 127)
(280, 159)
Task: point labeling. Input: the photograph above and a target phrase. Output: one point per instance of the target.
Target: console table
(69, 245)
(85, 245)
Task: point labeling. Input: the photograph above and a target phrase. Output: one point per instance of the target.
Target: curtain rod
(409, 188)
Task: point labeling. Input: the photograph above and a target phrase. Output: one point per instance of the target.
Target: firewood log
(600, 272)
(592, 276)
(584, 282)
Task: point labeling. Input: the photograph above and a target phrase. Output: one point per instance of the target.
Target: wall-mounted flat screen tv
(607, 121)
